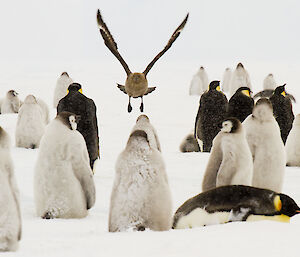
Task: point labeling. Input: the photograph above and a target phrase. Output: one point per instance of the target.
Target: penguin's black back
(79, 104)
(240, 106)
(283, 113)
(211, 112)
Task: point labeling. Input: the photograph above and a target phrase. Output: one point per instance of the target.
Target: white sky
(66, 30)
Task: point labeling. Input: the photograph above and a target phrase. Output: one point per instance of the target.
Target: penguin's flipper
(291, 97)
(265, 93)
(240, 213)
(150, 90)
(122, 88)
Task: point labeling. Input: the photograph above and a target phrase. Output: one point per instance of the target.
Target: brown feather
(122, 88)
(150, 89)
(110, 42)
(170, 42)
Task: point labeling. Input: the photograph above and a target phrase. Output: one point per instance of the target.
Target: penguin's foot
(129, 108)
(142, 107)
(48, 215)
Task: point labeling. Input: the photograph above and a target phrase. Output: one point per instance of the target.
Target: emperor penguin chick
(10, 222)
(263, 136)
(63, 180)
(141, 195)
(239, 78)
(199, 82)
(226, 80)
(30, 125)
(143, 123)
(61, 89)
(189, 144)
(230, 160)
(11, 103)
(292, 145)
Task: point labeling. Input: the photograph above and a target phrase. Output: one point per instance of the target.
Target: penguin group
(245, 140)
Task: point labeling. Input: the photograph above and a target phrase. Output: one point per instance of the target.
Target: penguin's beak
(297, 211)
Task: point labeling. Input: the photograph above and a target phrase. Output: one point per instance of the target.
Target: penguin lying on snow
(189, 144)
(63, 180)
(136, 84)
(141, 196)
(230, 161)
(240, 105)
(77, 103)
(283, 111)
(212, 111)
(234, 203)
(10, 222)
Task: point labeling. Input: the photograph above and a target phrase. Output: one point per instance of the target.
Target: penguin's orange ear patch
(277, 203)
(283, 93)
(218, 88)
(246, 92)
(80, 90)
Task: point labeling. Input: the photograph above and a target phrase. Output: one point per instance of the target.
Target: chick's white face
(73, 123)
(226, 126)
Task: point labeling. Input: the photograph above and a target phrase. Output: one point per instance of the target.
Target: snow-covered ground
(172, 112)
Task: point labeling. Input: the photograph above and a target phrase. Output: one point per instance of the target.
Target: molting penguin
(283, 111)
(31, 124)
(10, 222)
(239, 78)
(240, 105)
(11, 103)
(226, 80)
(141, 195)
(292, 145)
(85, 107)
(263, 136)
(230, 160)
(63, 180)
(211, 112)
(234, 203)
(199, 82)
(61, 89)
(143, 123)
(136, 84)
(189, 144)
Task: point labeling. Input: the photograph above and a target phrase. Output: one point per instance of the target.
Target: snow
(41, 39)
(172, 113)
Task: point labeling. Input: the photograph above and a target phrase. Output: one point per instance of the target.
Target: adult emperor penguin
(31, 124)
(11, 103)
(61, 89)
(141, 195)
(269, 85)
(263, 136)
(292, 145)
(10, 222)
(189, 144)
(85, 107)
(234, 203)
(230, 161)
(143, 123)
(63, 180)
(211, 112)
(226, 80)
(136, 84)
(239, 78)
(283, 111)
(199, 83)
(240, 105)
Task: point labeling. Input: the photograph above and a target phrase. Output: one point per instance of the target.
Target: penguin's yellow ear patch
(277, 203)
(283, 93)
(68, 91)
(218, 88)
(80, 90)
(246, 92)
